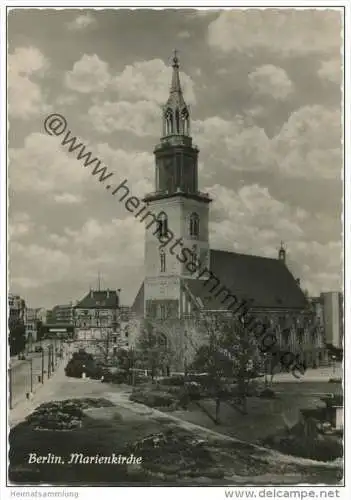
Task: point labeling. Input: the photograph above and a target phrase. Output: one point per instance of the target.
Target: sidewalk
(43, 392)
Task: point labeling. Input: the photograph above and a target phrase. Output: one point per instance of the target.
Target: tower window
(185, 121)
(162, 225)
(162, 311)
(169, 121)
(162, 261)
(194, 225)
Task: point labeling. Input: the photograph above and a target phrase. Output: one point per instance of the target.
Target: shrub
(335, 380)
(333, 400)
(174, 380)
(193, 390)
(267, 394)
(77, 365)
(323, 450)
(153, 399)
(201, 378)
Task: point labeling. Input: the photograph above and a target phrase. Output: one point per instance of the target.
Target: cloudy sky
(264, 90)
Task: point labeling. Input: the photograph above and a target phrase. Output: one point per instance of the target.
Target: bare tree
(103, 346)
(152, 350)
(229, 357)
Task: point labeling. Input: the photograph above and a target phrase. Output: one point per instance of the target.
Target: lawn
(265, 417)
(171, 454)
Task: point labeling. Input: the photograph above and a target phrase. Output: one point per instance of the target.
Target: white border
(172, 492)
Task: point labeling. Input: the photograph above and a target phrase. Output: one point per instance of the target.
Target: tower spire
(175, 85)
(176, 116)
(282, 252)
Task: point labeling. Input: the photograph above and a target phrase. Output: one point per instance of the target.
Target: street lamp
(265, 369)
(334, 363)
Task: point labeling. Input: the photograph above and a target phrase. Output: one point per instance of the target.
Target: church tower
(181, 209)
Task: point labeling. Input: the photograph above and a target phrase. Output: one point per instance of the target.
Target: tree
(103, 345)
(40, 330)
(17, 337)
(152, 350)
(230, 356)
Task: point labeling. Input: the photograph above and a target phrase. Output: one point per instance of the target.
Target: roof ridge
(244, 254)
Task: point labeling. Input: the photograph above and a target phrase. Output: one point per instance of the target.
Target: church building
(185, 278)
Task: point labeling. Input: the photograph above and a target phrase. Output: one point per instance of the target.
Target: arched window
(162, 261)
(177, 122)
(185, 121)
(285, 335)
(194, 223)
(169, 121)
(162, 225)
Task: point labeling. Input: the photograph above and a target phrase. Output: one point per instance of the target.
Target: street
(24, 374)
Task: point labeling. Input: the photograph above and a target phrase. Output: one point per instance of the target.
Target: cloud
(150, 80)
(136, 167)
(20, 225)
(82, 22)
(250, 220)
(183, 34)
(269, 80)
(319, 265)
(309, 144)
(89, 74)
(25, 96)
(66, 100)
(142, 118)
(78, 254)
(42, 166)
(231, 144)
(208, 11)
(331, 70)
(287, 32)
(67, 198)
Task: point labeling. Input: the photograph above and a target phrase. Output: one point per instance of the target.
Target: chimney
(298, 281)
(108, 293)
(91, 294)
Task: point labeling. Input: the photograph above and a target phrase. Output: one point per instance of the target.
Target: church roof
(263, 282)
(99, 299)
(138, 304)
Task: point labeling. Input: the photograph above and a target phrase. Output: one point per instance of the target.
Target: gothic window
(300, 335)
(162, 225)
(185, 120)
(194, 225)
(177, 121)
(285, 334)
(162, 311)
(162, 261)
(169, 121)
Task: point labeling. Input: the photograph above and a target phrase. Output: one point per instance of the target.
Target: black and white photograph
(175, 248)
